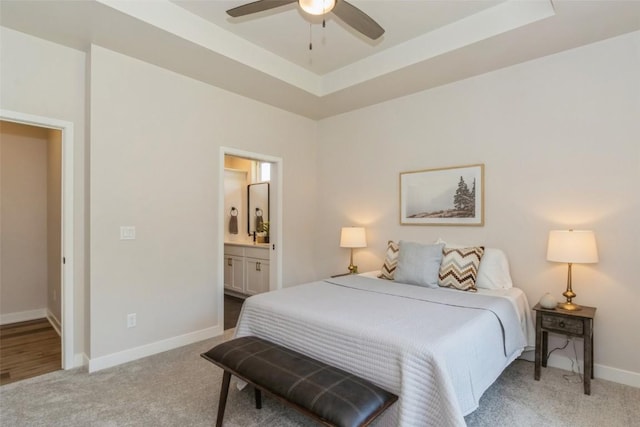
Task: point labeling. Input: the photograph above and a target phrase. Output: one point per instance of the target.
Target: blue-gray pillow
(419, 264)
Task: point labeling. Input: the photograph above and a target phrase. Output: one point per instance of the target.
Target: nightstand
(341, 274)
(570, 323)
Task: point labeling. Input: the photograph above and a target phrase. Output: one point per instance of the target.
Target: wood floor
(28, 349)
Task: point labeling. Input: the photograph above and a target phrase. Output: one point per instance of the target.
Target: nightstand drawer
(563, 324)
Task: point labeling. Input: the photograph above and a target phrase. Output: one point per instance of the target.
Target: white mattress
(438, 349)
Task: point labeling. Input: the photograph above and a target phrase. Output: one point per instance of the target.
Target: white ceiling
(285, 30)
(266, 56)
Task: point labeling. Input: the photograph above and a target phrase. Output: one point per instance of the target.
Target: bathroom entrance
(250, 223)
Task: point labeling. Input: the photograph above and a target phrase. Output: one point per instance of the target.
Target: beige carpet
(179, 388)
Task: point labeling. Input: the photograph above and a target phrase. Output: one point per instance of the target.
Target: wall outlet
(131, 320)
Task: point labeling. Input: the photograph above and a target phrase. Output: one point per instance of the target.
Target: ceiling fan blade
(357, 19)
(257, 6)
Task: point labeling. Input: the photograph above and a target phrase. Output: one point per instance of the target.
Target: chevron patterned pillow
(459, 268)
(390, 261)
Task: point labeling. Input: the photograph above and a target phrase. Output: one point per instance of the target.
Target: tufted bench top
(332, 396)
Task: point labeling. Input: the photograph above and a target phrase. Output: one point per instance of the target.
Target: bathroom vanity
(246, 268)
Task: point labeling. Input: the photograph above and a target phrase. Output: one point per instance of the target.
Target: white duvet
(437, 349)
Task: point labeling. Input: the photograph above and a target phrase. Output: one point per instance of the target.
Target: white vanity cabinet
(246, 268)
(256, 270)
(234, 268)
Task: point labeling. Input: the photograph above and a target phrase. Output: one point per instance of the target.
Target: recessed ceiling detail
(265, 55)
(479, 25)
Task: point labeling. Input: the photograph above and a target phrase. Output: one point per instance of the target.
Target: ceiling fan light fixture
(317, 7)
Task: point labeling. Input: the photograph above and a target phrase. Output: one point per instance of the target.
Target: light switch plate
(132, 320)
(127, 232)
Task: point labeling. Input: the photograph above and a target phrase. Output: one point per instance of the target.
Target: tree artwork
(445, 196)
(464, 200)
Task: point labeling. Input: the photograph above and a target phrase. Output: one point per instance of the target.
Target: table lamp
(571, 246)
(353, 237)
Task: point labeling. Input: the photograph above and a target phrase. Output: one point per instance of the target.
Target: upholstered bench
(329, 395)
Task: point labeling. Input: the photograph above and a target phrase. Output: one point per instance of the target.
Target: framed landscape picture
(444, 196)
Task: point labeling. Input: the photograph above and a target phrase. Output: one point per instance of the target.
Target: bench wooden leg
(224, 391)
(258, 395)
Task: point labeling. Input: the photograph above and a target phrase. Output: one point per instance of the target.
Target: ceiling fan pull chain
(310, 44)
(324, 12)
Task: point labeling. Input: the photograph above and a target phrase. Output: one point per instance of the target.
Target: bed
(439, 349)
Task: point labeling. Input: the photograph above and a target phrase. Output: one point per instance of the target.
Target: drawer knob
(561, 324)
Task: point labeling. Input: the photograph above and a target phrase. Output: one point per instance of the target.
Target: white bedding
(515, 295)
(420, 343)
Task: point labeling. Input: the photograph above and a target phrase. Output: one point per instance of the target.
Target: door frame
(275, 220)
(66, 232)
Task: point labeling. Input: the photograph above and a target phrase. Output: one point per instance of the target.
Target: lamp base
(569, 306)
(353, 269)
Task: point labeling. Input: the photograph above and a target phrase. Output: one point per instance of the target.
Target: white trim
(136, 353)
(55, 322)
(67, 225)
(617, 375)
(599, 371)
(277, 176)
(603, 372)
(23, 316)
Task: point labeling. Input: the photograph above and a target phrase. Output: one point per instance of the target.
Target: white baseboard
(23, 316)
(80, 359)
(617, 375)
(54, 322)
(604, 372)
(125, 356)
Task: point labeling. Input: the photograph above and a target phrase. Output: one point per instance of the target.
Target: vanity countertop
(249, 244)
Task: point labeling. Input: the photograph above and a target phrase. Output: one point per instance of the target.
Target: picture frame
(443, 196)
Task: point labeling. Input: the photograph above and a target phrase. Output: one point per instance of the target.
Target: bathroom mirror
(258, 212)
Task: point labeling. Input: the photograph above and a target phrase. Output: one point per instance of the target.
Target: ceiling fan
(348, 13)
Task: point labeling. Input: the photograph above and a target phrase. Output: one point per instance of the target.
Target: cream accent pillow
(418, 264)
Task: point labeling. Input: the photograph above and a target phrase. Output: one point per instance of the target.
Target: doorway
(274, 165)
(30, 202)
(63, 258)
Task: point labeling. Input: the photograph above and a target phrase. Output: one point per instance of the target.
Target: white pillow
(418, 264)
(493, 272)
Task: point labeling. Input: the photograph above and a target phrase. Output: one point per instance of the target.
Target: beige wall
(41, 78)
(559, 137)
(23, 218)
(155, 147)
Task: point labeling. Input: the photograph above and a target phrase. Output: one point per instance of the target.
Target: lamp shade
(317, 7)
(353, 237)
(572, 246)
